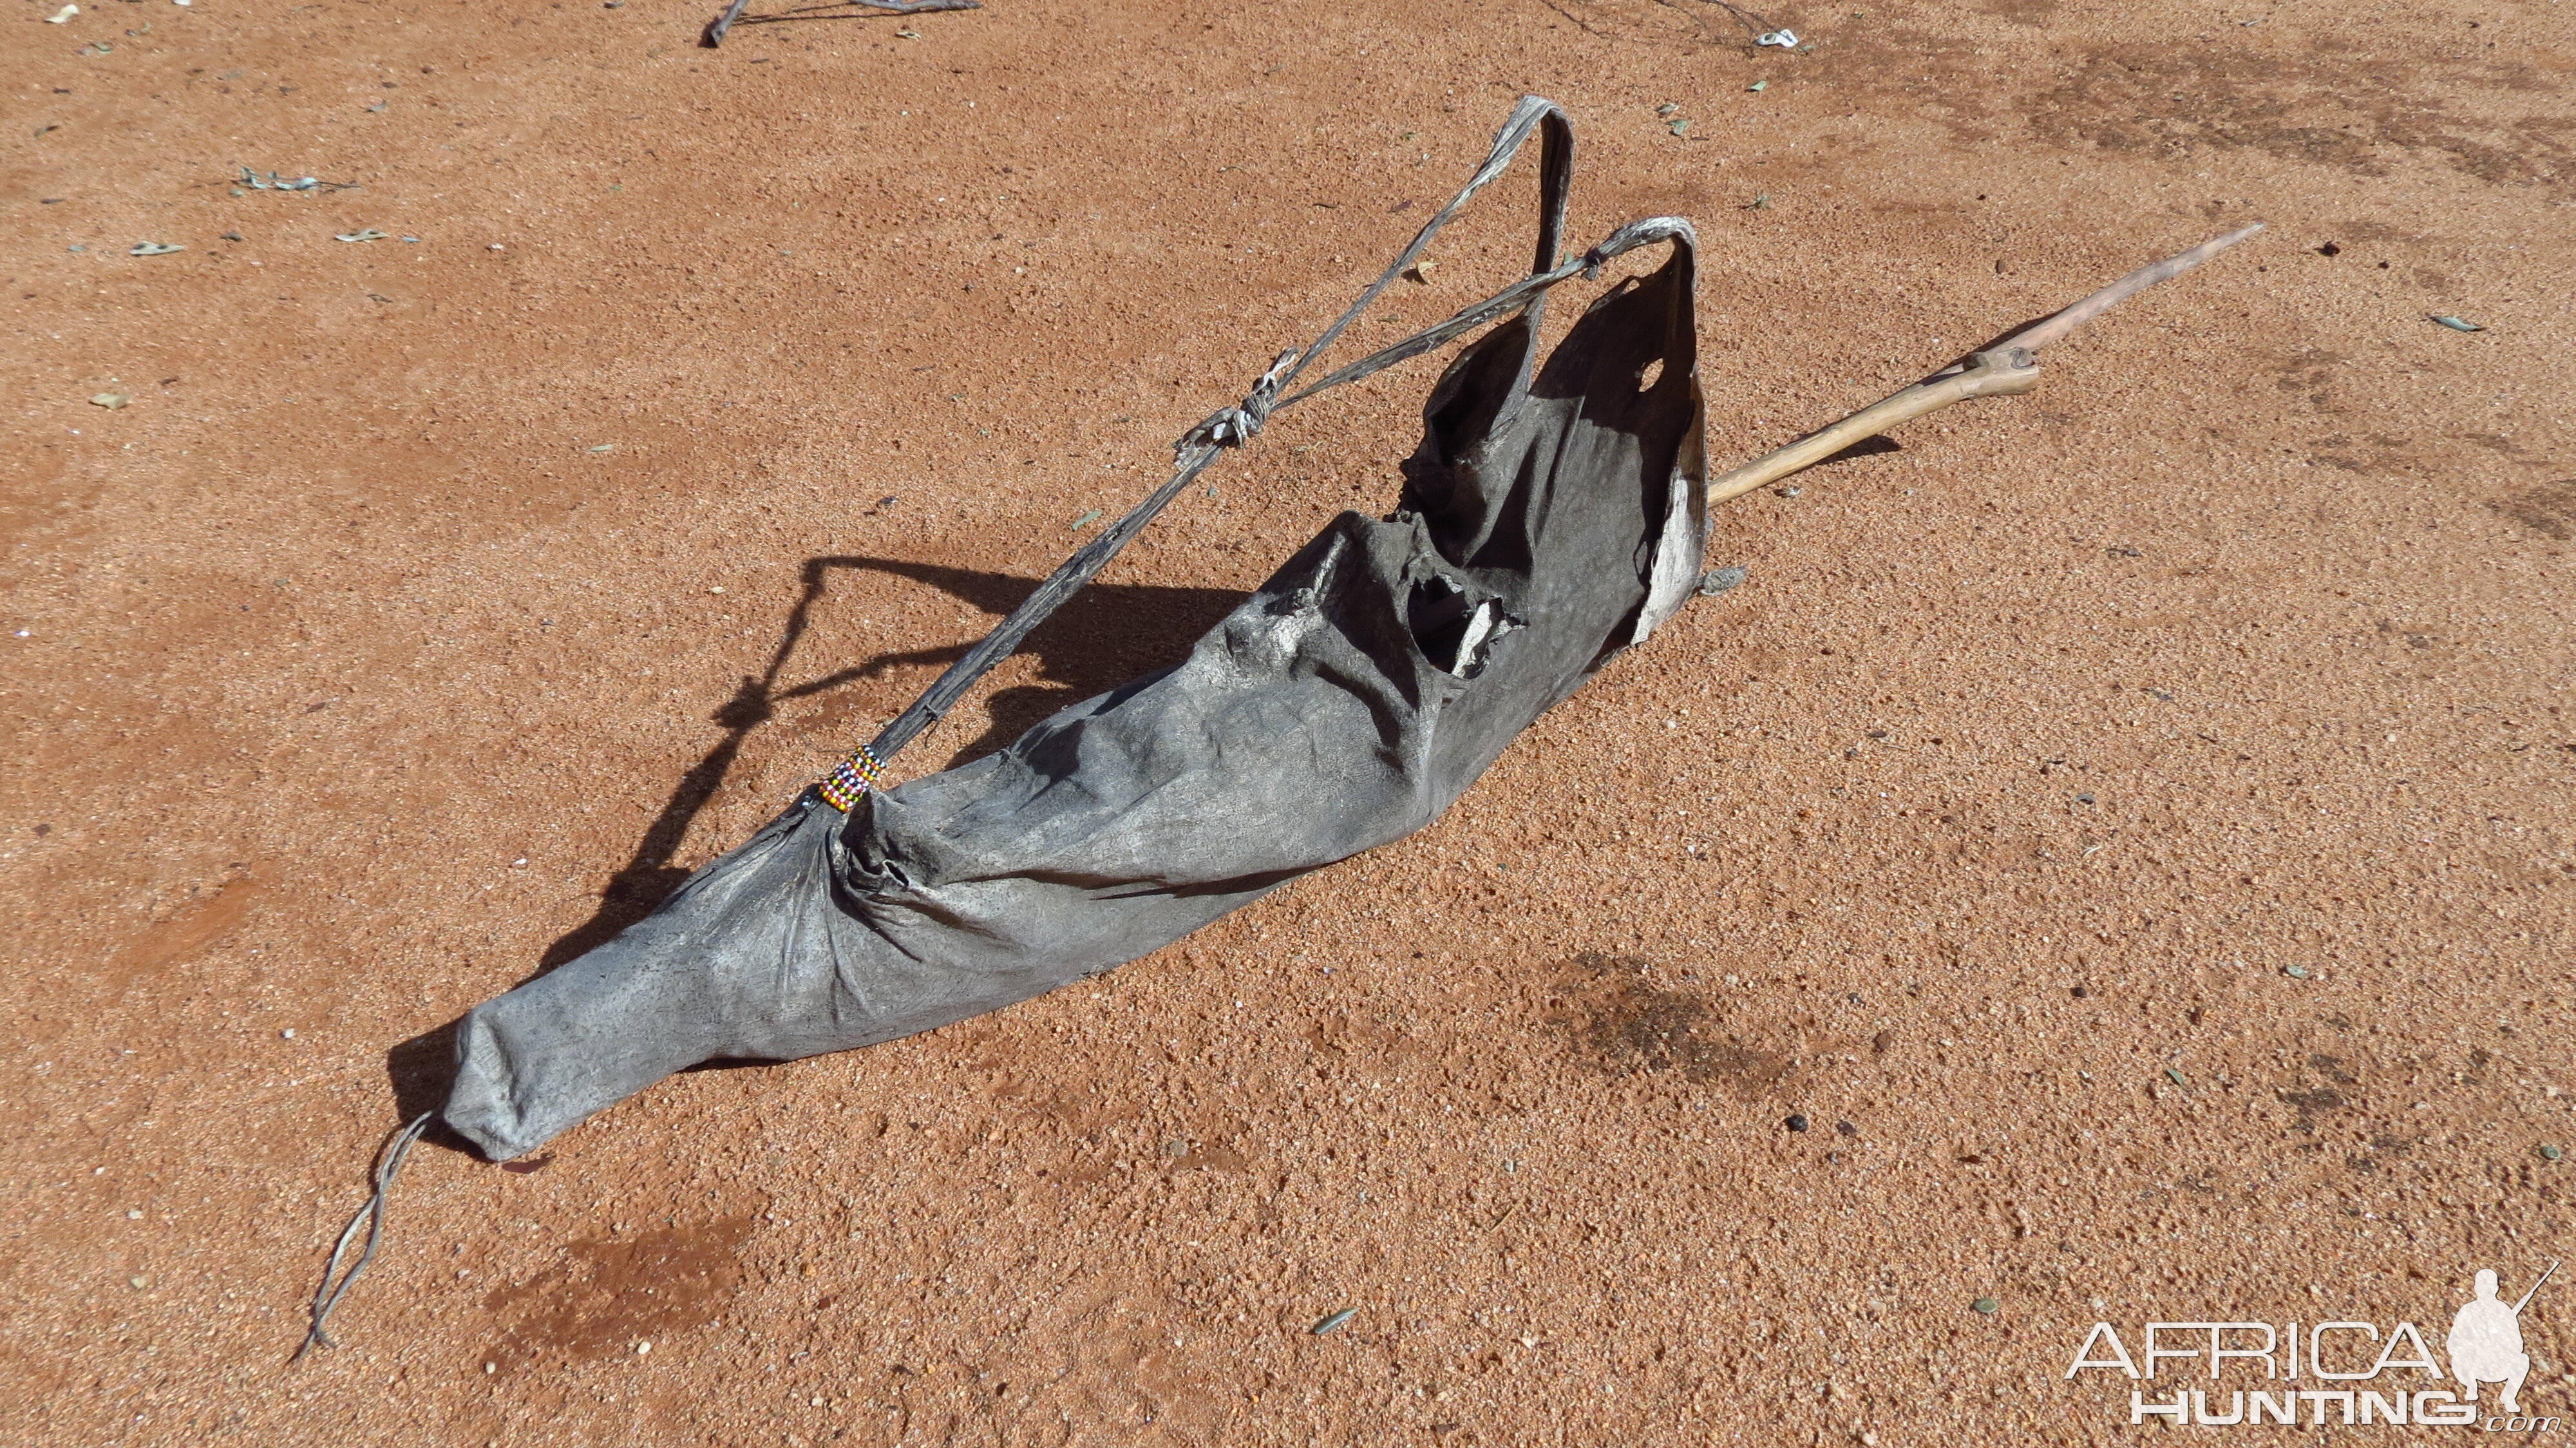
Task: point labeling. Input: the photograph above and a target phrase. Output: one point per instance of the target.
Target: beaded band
(851, 778)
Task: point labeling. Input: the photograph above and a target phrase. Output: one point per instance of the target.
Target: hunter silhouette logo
(2486, 1341)
(2335, 1372)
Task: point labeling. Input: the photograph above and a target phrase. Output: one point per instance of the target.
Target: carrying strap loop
(1232, 427)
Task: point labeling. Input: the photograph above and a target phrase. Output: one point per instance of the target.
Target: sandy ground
(2129, 826)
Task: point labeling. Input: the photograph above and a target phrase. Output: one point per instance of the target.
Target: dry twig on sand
(714, 34)
(2007, 367)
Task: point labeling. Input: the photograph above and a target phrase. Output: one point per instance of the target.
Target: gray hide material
(1547, 522)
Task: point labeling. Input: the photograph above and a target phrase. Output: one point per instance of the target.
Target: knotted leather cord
(1232, 427)
(371, 1217)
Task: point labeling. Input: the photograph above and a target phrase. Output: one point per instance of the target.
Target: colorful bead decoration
(851, 778)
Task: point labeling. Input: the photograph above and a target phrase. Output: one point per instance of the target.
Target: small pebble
(2550, 1153)
(2295, 972)
(1796, 1122)
(140, 1282)
(2084, 799)
(642, 1348)
(1846, 1128)
(1987, 1305)
(1793, 491)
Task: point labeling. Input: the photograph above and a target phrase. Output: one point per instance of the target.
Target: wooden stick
(2010, 366)
(1988, 374)
(713, 36)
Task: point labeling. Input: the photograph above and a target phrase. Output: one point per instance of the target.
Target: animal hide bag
(1552, 516)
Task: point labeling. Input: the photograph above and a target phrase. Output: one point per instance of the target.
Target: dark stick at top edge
(713, 36)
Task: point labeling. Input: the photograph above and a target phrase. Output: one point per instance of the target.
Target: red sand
(351, 677)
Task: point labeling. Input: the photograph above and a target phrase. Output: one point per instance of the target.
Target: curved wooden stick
(2010, 366)
(1988, 374)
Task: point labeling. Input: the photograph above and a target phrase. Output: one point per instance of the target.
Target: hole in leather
(1453, 634)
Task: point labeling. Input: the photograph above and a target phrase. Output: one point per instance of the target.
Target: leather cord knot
(1234, 426)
